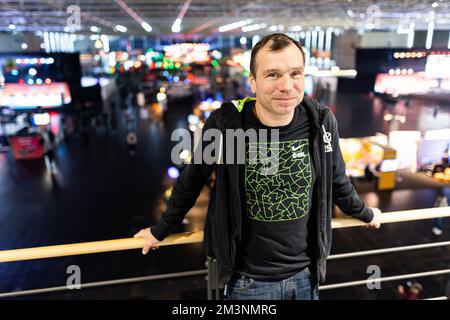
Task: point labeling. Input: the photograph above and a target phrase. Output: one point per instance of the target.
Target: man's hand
(375, 223)
(150, 240)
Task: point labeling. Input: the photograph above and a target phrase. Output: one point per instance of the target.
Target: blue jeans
(301, 286)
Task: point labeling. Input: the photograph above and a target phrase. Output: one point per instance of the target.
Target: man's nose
(285, 83)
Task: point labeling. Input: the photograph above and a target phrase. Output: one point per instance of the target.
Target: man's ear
(252, 80)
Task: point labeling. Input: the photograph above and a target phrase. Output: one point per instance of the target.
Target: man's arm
(184, 194)
(344, 194)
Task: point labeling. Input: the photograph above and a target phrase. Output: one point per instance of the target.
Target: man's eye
(296, 74)
(271, 75)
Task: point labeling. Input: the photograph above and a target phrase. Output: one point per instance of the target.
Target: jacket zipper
(317, 146)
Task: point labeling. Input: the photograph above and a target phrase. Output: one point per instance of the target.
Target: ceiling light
(134, 15)
(121, 28)
(253, 27)
(95, 29)
(296, 28)
(146, 26)
(176, 27)
(234, 25)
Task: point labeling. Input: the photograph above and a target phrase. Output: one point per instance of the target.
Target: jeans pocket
(307, 272)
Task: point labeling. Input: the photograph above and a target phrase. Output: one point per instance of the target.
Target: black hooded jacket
(223, 225)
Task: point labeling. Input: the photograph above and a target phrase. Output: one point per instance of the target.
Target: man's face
(279, 81)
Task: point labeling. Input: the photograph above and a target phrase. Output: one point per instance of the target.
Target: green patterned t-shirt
(276, 224)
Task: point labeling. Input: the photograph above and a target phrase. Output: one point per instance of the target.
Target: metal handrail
(204, 272)
(388, 250)
(392, 278)
(106, 283)
(193, 237)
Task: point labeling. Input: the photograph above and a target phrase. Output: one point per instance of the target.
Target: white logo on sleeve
(327, 140)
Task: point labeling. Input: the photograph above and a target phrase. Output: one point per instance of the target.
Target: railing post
(447, 290)
(212, 280)
(208, 264)
(216, 281)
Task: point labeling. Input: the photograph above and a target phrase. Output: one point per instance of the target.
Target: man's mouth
(285, 99)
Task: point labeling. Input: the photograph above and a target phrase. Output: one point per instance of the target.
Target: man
(271, 234)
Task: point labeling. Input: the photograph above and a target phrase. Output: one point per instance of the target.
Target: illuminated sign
(188, 52)
(16, 95)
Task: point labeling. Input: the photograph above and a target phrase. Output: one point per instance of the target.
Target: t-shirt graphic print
(284, 194)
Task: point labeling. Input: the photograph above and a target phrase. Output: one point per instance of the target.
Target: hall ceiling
(206, 16)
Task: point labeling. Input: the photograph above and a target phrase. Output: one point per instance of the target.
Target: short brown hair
(278, 41)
